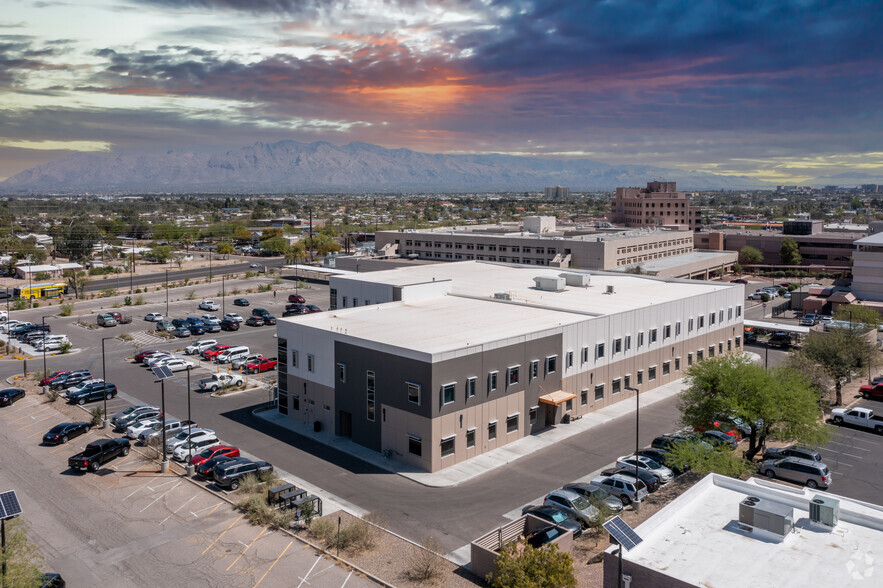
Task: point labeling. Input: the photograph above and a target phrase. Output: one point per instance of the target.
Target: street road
(121, 281)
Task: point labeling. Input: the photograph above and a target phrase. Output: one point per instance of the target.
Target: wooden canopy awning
(557, 397)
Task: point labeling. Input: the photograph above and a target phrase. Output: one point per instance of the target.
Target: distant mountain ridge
(295, 167)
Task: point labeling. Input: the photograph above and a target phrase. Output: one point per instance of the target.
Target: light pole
(223, 293)
(45, 373)
(164, 465)
(132, 270)
(189, 420)
(104, 377)
(637, 505)
(167, 294)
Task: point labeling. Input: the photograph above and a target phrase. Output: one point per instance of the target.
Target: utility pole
(311, 234)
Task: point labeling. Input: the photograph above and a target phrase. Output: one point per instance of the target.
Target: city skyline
(777, 92)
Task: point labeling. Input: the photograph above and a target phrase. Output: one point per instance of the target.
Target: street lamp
(132, 270)
(209, 264)
(104, 377)
(189, 420)
(637, 439)
(167, 294)
(223, 293)
(45, 373)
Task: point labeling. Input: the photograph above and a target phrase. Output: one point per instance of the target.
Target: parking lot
(130, 525)
(855, 457)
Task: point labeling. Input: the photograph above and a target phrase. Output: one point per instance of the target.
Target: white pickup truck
(217, 381)
(858, 416)
(209, 305)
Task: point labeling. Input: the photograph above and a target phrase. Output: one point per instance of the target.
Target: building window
(341, 372)
(710, 318)
(640, 339)
(738, 342)
(415, 445)
(447, 446)
(698, 355)
(651, 373)
(720, 347)
(333, 302)
(534, 369)
(344, 301)
(551, 364)
(710, 351)
(568, 406)
(511, 423)
(492, 381)
(690, 325)
(470, 438)
(413, 393)
(570, 359)
(730, 313)
(294, 358)
(689, 359)
(492, 430)
(470, 387)
(617, 346)
(729, 344)
(678, 329)
(369, 394)
(448, 392)
(355, 302)
(666, 368)
(599, 392)
(701, 320)
(628, 380)
(311, 363)
(739, 311)
(512, 375)
(599, 351)
(616, 388)
(628, 342)
(720, 316)
(666, 332)
(677, 364)
(652, 336)
(640, 377)
(585, 355)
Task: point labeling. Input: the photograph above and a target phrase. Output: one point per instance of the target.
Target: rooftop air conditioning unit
(766, 515)
(824, 510)
(502, 296)
(610, 289)
(573, 279)
(549, 283)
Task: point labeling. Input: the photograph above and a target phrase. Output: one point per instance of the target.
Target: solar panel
(9, 506)
(162, 372)
(622, 533)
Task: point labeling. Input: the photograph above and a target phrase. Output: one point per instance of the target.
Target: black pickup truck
(98, 453)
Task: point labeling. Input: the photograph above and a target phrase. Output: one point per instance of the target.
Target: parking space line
(322, 571)
(32, 435)
(304, 579)
(174, 512)
(152, 489)
(264, 530)
(214, 508)
(62, 446)
(223, 533)
(19, 409)
(28, 416)
(273, 564)
(347, 579)
(851, 446)
(123, 461)
(136, 489)
(160, 496)
(22, 428)
(121, 478)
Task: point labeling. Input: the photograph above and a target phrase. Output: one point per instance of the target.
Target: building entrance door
(551, 410)
(346, 424)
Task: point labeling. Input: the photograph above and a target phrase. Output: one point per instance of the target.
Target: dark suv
(228, 325)
(228, 474)
(782, 340)
(93, 391)
(259, 312)
(792, 451)
(71, 379)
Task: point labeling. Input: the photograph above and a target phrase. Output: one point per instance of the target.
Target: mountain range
(321, 167)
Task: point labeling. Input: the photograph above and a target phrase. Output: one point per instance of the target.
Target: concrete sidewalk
(486, 462)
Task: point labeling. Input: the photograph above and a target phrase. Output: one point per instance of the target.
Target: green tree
(789, 252)
(76, 281)
(858, 314)
(21, 558)
(750, 255)
(270, 233)
(275, 245)
(225, 248)
(525, 566)
(777, 403)
(324, 244)
(700, 460)
(296, 253)
(78, 241)
(839, 352)
(161, 253)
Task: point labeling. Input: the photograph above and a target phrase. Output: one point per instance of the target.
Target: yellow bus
(44, 290)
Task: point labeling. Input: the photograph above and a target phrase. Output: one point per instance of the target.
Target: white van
(233, 353)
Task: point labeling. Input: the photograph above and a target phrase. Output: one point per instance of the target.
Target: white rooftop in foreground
(484, 279)
(696, 540)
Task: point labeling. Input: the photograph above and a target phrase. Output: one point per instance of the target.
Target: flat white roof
(484, 279)
(875, 239)
(446, 323)
(696, 539)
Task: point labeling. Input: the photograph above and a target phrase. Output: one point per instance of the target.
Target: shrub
(277, 280)
(425, 565)
(41, 276)
(66, 309)
(65, 347)
(191, 295)
(248, 484)
(249, 274)
(522, 565)
(108, 292)
(257, 511)
(19, 304)
(265, 288)
(139, 300)
(325, 530)
(52, 395)
(97, 416)
(126, 337)
(127, 301)
(36, 304)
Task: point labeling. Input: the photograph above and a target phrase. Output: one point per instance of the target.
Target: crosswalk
(146, 339)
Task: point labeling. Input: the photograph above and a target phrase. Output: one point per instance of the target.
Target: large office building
(658, 205)
(438, 363)
(539, 241)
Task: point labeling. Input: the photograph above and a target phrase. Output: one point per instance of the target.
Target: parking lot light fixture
(637, 504)
(189, 418)
(45, 373)
(104, 377)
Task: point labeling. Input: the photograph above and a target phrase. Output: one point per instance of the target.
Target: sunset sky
(781, 91)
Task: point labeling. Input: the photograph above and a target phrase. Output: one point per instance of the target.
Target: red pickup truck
(261, 365)
(874, 392)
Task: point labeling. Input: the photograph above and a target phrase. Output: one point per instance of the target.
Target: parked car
(134, 430)
(187, 435)
(858, 416)
(139, 414)
(98, 453)
(626, 489)
(269, 319)
(211, 452)
(668, 441)
(192, 447)
(241, 302)
(209, 305)
(539, 537)
(557, 516)
(311, 308)
(809, 320)
(722, 427)
(153, 317)
(296, 298)
(205, 469)
(651, 481)
(128, 411)
(181, 332)
(294, 312)
(93, 392)
(64, 432)
(218, 381)
(209, 317)
(53, 377)
(872, 392)
(197, 330)
(10, 396)
(106, 320)
(48, 344)
(263, 364)
(813, 474)
(179, 322)
(781, 340)
(200, 345)
(719, 439)
(164, 325)
(79, 387)
(255, 321)
(596, 495)
(71, 379)
(139, 357)
(575, 504)
(173, 427)
(259, 312)
(228, 475)
(663, 457)
(7, 326)
(755, 296)
(229, 325)
(179, 364)
(662, 473)
(749, 335)
(213, 351)
(739, 281)
(234, 316)
(792, 451)
(242, 362)
(213, 326)
(157, 358)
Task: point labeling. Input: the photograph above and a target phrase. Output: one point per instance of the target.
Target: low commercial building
(438, 363)
(727, 532)
(867, 268)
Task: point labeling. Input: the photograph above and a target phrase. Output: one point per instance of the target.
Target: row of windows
(639, 258)
(482, 247)
(448, 444)
(656, 245)
(468, 256)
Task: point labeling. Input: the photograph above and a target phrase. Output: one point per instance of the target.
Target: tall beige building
(659, 204)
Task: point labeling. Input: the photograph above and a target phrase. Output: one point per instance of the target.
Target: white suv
(185, 436)
(193, 447)
(199, 346)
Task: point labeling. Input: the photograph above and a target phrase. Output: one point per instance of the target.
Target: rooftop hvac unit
(573, 279)
(610, 289)
(824, 510)
(549, 283)
(502, 296)
(766, 515)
